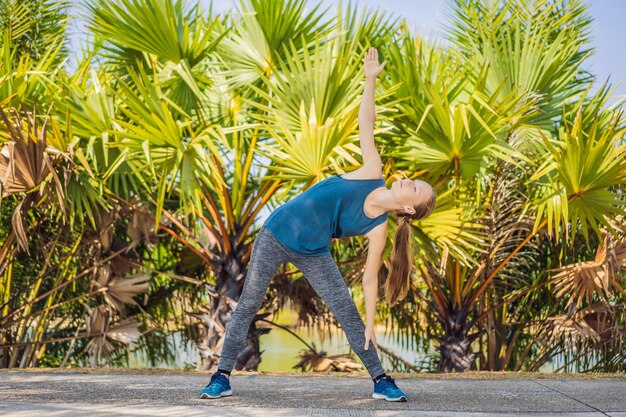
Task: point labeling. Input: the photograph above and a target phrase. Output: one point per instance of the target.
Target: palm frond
(261, 35)
(582, 281)
(534, 46)
(33, 27)
(576, 181)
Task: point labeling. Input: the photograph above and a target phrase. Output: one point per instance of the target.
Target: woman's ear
(409, 210)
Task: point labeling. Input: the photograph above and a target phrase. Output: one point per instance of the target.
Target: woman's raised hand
(370, 65)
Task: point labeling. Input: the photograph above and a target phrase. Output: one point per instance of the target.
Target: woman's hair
(397, 282)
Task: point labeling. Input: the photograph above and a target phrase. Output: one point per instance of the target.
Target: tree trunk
(456, 354)
(213, 328)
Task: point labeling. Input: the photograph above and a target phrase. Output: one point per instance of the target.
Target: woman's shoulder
(363, 173)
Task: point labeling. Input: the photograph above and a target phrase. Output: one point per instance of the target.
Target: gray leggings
(325, 278)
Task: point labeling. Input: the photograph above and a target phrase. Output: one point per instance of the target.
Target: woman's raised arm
(367, 112)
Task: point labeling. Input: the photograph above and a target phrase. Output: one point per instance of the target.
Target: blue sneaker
(218, 387)
(387, 389)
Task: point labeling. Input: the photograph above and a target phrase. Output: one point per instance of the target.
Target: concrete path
(124, 393)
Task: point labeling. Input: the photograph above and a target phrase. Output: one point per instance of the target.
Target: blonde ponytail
(397, 282)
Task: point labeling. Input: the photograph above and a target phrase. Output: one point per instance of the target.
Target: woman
(300, 231)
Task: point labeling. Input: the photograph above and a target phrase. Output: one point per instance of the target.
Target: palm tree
(35, 27)
(523, 71)
(31, 320)
(56, 187)
(185, 124)
(205, 151)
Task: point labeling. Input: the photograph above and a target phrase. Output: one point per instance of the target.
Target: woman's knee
(247, 307)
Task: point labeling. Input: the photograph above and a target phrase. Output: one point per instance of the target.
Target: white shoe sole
(384, 397)
(223, 394)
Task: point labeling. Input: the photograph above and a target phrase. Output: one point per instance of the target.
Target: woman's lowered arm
(377, 238)
(367, 111)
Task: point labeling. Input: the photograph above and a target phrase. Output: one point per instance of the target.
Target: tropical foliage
(134, 184)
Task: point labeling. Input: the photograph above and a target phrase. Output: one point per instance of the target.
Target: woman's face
(411, 192)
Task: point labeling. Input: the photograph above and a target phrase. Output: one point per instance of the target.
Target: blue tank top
(332, 208)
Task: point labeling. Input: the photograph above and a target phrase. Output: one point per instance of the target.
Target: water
(280, 348)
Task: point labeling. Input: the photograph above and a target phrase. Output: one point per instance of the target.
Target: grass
(397, 375)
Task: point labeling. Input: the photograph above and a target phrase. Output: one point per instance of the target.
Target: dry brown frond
(583, 279)
(24, 163)
(593, 324)
(320, 362)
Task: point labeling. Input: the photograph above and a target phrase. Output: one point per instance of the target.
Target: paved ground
(111, 393)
